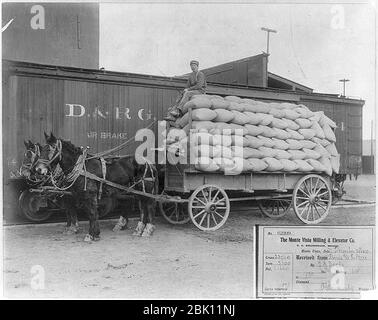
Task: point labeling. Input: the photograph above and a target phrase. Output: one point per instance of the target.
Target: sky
(316, 44)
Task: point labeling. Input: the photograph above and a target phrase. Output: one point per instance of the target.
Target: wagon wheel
(173, 212)
(34, 206)
(312, 199)
(274, 208)
(209, 207)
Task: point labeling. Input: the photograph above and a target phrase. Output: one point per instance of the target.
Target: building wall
(52, 33)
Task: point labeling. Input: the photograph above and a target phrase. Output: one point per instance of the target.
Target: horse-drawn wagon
(205, 197)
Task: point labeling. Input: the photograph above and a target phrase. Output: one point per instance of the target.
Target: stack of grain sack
(232, 135)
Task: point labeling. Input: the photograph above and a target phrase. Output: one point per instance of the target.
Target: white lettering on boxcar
(75, 110)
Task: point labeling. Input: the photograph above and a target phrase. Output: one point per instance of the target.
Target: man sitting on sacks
(196, 85)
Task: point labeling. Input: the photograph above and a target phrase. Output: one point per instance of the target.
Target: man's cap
(194, 62)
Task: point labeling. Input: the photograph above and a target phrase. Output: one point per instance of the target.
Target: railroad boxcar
(101, 109)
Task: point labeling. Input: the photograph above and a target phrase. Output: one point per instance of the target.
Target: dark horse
(77, 166)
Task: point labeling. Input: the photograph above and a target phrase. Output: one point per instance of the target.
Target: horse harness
(79, 169)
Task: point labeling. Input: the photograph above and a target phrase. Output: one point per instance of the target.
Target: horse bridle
(55, 152)
(33, 159)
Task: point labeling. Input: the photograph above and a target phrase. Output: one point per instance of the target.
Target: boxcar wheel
(274, 208)
(209, 207)
(34, 206)
(312, 199)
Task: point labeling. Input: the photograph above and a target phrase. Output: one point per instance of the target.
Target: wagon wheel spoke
(317, 211)
(210, 189)
(204, 195)
(203, 218)
(198, 214)
(215, 195)
(305, 208)
(302, 203)
(301, 190)
(208, 221)
(218, 214)
(219, 201)
(215, 220)
(198, 199)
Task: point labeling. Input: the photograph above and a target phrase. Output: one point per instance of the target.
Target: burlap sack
(223, 115)
(332, 150)
(239, 118)
(307, 144)
(239, 141)
(273, 164)
(308, 134)
(266, 119)
(322, 151)
(257, 165)
(326, 120)
(325, 142)
(249, 101)
(224, 164)
(297, 154)
(174, 135)
(305, 113)
(288, 165)
(237, 129)
(266, 142)
(197, 103)
(278, 123)
(202, 114)
(318, 130)
(203, 125)
(226, 152)
(237, 168)
(294, 134)
(328, 132)
(206, 164)
(291, 124)
(282, 154)
(224, 128)
(289, 106)
(254, 142)
(219, 104)
(281, 134)
(233, 99)
(251, 153)
(277, 113)
(294, 144)
(276, 105)
(215, 131)
(335, 163)
(318, 167)
(253, 118)
(280, 144)
(303, 166)
(200, 138)
(316, 117)
(311, 154)
(268, 152)
(207, 151)
(253, 130)
(291, 114)
(226, 140)
(267, 132)
(326, 162)
(236, 106)
(303, 123)
(251, 108)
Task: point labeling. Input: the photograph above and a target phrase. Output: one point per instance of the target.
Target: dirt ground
(177, 262)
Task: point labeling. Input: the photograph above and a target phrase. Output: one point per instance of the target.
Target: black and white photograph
(188, 150)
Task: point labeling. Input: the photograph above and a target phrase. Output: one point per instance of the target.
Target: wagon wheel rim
(209, 207)
(174, 213)
(312, 199)
(30, 209)
(275, 208)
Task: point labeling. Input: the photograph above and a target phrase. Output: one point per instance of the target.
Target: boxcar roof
(42, 70)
